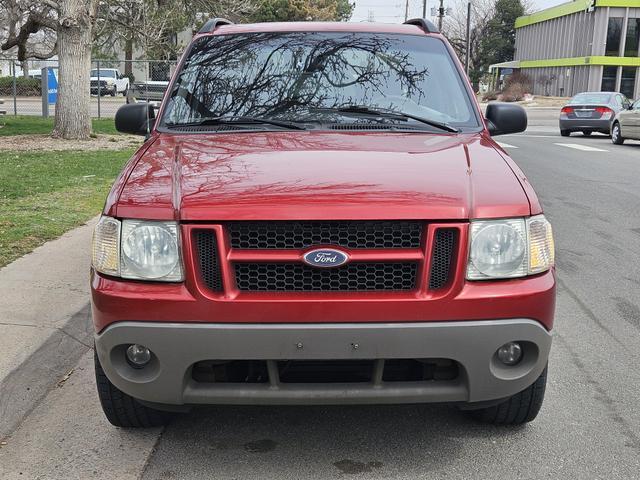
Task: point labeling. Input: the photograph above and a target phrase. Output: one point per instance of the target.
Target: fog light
(510, 353)
(138, 355)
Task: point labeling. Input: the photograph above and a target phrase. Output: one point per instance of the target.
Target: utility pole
(424, 8)
(468, 46)
(406, 11)
(440, 14)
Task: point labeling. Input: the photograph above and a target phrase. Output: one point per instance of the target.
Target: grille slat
(445, 239)
(298, 277)
(207, 247)
(299, 235)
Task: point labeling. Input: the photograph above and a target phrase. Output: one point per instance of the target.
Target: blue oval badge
(325, 257)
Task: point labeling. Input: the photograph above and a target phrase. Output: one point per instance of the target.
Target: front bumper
(177, 347)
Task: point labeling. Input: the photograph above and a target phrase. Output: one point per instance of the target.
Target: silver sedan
(591, 112)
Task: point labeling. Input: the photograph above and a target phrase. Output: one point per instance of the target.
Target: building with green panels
(583, 45)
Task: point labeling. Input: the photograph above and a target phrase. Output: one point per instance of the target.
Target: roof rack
(424, 24)
(214, 23)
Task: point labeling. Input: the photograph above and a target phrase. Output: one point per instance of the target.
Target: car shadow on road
(275, 442)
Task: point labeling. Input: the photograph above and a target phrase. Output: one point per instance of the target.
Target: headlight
(510, 248)
(140, 250)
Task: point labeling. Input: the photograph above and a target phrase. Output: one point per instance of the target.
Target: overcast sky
(392, 11)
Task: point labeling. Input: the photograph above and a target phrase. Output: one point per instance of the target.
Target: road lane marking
(506, 145)
(584, 148)
(539, 136)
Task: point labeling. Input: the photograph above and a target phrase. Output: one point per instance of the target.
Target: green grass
(27, 125)
(44, 194)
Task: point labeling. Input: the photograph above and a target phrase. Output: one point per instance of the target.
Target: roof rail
(214, 23)
(424, 24)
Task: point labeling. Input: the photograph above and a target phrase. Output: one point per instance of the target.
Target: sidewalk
(45, 322)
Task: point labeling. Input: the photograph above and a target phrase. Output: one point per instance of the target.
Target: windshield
(591, 98)
(298, 76)
(104, 73)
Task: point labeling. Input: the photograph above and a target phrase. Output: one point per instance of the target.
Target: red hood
(320, 175)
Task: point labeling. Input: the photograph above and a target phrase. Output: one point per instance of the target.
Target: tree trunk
(73, 114)
(128, 56)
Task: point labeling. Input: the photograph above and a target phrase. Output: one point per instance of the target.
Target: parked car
(149, 91)
(590, 112)
(320, 215)
(110, 80)
(626, 125)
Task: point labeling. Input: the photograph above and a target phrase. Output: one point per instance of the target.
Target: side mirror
(504, 118)
(135, 118)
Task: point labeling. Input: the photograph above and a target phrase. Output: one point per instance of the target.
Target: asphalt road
(589, 427)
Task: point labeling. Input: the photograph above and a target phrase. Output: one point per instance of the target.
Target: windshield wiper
(237, 120)
(389, 113)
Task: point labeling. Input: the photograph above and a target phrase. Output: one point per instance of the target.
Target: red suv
(319, 215)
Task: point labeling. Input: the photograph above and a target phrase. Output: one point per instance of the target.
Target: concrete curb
(45, 322)
(25, 386)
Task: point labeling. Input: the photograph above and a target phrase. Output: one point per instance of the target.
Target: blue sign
(52, 84)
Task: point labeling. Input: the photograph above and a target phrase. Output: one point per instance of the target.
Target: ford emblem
(325, 257)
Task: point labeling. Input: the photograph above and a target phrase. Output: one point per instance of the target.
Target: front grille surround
(225, 270)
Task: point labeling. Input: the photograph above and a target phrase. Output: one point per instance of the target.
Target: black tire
(565, 133)
(114, 92)
(121, 409)
(586, 133)
(521, 408)
(616, 134)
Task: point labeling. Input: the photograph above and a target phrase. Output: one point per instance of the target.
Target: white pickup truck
(108, 81)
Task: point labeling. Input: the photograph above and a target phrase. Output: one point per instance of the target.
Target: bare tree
(455, 29)
(152, 24)
(70, 22)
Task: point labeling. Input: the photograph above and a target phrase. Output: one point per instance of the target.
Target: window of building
(614, 34)
(633, 38)
(628, 81)
(609, 79)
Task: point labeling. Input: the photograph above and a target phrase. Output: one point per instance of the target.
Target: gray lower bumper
(176, 347)
(585, 124)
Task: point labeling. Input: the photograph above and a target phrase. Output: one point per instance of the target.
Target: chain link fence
(112, 84)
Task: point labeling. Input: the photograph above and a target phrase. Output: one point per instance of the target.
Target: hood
(321, 175)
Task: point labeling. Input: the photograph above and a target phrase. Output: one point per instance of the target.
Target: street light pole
(406, 11)
(440, 15)
(424, 8)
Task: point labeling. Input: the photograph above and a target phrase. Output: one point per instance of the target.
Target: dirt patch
(541, 101)
(46, 142)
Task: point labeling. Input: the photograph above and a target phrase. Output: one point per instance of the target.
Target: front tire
(565, 133)
(521, 408)
(616, 134)
(121, 409)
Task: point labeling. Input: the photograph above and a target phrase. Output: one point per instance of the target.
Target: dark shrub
(25, 87)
